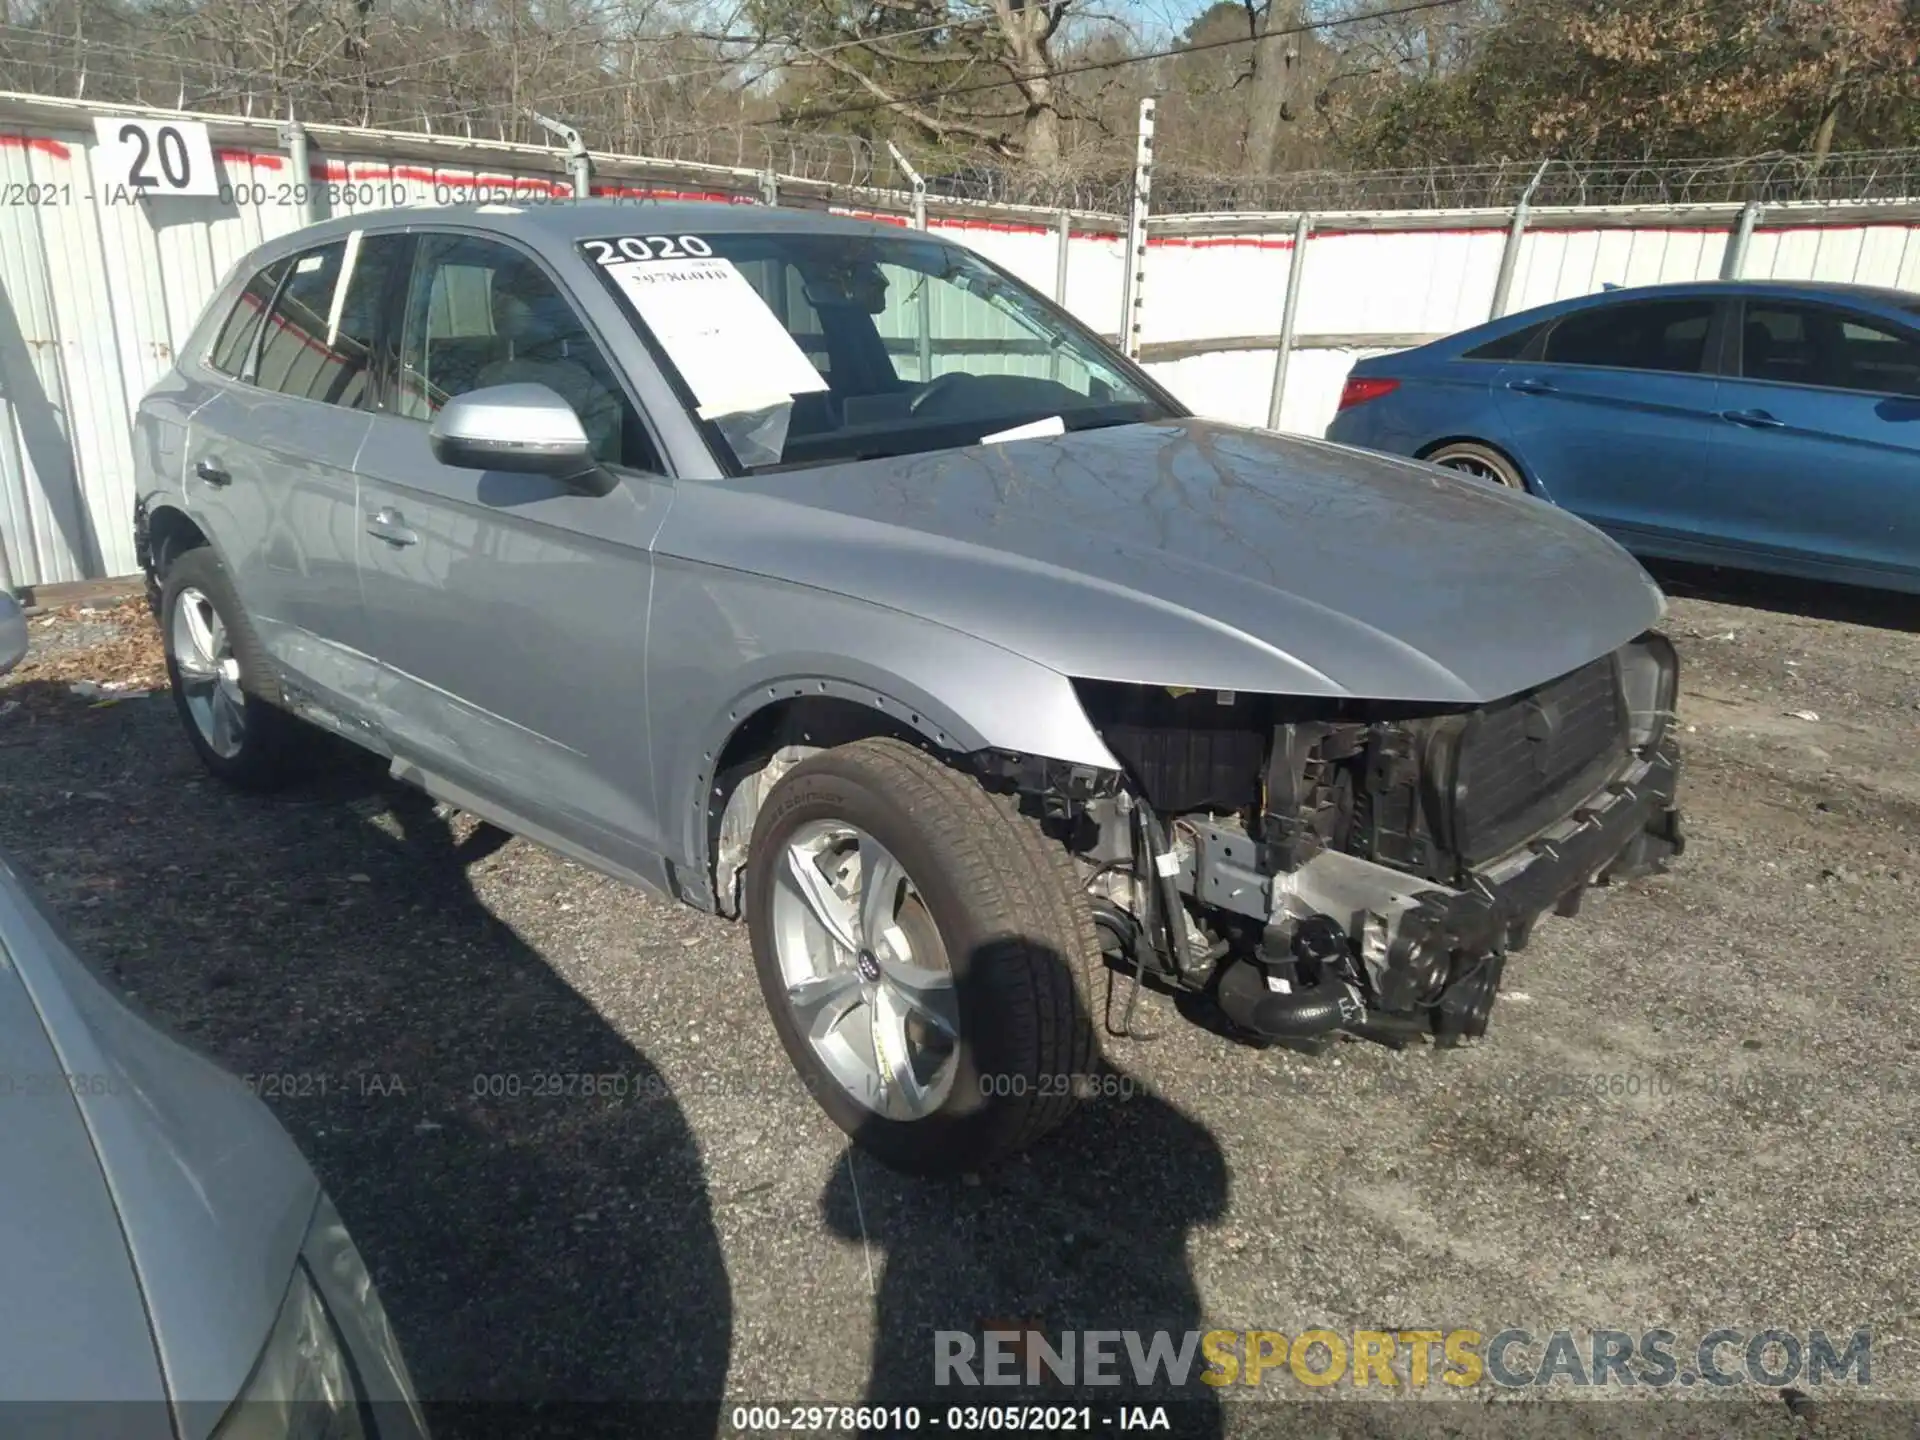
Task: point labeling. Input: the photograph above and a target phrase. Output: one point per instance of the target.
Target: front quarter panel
(724, 644)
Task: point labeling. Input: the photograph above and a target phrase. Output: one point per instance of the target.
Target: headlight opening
(302, 1386)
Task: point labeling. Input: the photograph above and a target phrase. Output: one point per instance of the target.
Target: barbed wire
(1857, 175)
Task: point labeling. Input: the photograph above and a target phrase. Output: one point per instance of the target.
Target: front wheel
(1481, 461)
(925, 954)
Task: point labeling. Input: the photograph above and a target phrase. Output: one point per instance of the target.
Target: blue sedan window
(1668, 335)
(1507, 347)
(1828, 349)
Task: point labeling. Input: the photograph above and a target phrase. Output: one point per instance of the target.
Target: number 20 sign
(155, 157)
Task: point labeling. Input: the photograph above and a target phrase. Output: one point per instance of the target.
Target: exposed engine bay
(1330, 865)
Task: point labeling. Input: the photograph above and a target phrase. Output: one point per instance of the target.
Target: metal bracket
(579, 158)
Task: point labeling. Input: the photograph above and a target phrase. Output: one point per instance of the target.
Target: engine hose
(1299, 1014)
(1122, 927)
(1313, 1011)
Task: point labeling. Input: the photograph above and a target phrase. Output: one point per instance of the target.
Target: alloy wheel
(209, 673)
(1467, 464)
(1470, 460)
(866, 974)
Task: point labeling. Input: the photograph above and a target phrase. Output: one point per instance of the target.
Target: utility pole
(1296, 273)
(1133, 278)
(1510, 255)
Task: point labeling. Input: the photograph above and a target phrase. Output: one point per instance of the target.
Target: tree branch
(933, 124)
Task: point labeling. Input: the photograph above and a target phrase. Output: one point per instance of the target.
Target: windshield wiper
(1098, 421)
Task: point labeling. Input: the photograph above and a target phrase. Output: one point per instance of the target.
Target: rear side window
(293, 354)
(320, 336)
(1828, 349)
(1507, 347)
(235, 345)
(1665, 335)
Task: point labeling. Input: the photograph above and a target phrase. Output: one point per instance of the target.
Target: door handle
(390, 525)
(1753, 419)
(1531, 387)
(212, 473)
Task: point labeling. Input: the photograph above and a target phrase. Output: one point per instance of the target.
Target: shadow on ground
(1816, 599)
(525, 1188)
(536, 1240)
(1087, 1231)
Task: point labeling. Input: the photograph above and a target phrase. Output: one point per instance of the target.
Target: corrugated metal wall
(95, 295)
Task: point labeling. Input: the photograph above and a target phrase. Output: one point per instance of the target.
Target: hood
(70, 1305)
(212, 1196)
(1198, 554)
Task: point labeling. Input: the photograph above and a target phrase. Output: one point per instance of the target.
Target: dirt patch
(87, 654)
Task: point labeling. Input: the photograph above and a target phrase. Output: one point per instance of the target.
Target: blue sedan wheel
(1482, 461)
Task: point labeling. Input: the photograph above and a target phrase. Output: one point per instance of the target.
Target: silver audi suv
(820, 573)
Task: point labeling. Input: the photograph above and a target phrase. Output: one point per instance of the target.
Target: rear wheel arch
(169, 530)
(162, 531)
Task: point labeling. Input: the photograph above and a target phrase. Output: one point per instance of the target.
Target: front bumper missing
(1630, 826)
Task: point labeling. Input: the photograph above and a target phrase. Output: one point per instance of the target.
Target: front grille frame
(1500, 790)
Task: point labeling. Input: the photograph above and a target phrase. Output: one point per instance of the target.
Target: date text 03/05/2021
(946, 1420)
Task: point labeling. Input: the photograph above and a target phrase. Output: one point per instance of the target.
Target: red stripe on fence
(35, 142)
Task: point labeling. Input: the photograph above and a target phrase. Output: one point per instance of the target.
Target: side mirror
(527, 429)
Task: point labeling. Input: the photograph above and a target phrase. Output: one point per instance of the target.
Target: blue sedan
(1765, 425)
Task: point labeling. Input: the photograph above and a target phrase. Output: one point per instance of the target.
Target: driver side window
(480, 313)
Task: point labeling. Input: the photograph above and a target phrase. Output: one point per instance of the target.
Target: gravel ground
(1696, 1106)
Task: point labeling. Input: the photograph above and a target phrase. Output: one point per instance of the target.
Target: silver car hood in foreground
(70, 1302)
(1198, 554)
(212, 1198)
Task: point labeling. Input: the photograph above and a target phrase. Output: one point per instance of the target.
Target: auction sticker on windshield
(732, 350)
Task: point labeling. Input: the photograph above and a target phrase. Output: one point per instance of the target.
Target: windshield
(808, 349)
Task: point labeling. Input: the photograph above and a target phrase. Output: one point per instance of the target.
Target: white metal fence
(97, 290)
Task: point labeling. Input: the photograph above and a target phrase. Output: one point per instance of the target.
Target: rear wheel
(925, 954)
(223, 685)
(1479, 460)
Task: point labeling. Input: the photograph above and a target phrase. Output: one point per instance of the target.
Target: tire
(267, 747)
(1483, 461)
(1014, 931)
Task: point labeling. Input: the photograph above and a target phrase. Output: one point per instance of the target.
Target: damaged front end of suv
(1321, 865)
(1311, 734)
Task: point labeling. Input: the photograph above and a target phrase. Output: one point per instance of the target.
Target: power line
(719, 68)
(867, 107)
(789, 117)
(318, 75)
(784, 117)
